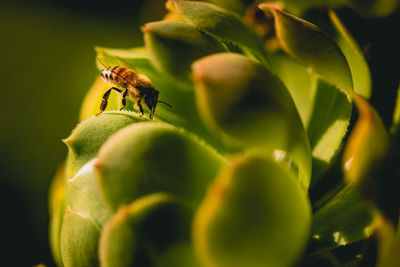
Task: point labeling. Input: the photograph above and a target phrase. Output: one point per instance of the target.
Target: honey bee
(136, 87)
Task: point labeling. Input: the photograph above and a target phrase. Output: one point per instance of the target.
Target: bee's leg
(104, 103)
(152, 113)
(124, 94)
(140, 108)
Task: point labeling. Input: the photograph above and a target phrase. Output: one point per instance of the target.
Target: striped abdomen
(119, 76)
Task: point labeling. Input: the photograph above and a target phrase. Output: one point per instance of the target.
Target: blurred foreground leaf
(308, 44)
(248, 216)
(366, 149)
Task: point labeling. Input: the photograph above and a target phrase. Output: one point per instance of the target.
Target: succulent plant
(231, 176)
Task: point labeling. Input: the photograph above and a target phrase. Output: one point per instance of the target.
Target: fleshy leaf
(84, 218)
(251, 106)
(308, 44)
(358, 64)
(87, 138)
(342, 220)
(57, 210)
(254, 214)
(301, 86)
(389, 244)
(173, 46)
(325, 111)
(366, 148)
(223, 25)
(328, 125)
(144, 232)
(79, 241)
(84, 196)
(150, 157)
(367, 145)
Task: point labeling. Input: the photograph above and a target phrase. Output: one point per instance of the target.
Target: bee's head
(151, 100)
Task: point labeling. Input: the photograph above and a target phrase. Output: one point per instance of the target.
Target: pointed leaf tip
(174, 45)
(310, 45)
(367, 146)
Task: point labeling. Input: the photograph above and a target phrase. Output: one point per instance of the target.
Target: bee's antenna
(165, 103)
(99, 60)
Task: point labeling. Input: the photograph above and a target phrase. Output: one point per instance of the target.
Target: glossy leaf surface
(150, 157)
(87, 138)
(250, 212)
(251, 106)
(367, 146)
(173, 46)
(221, 24)
(342, 220)
(355, 57)
(308, 44)
(146, 232)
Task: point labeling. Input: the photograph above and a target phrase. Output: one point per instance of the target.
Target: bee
(136, 87)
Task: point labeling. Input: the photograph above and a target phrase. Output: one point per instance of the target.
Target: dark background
(48, 64)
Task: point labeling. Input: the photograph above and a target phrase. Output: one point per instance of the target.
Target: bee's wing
(124, 62)
(101, 62)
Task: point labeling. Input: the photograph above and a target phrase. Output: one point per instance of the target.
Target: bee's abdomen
(116, 74)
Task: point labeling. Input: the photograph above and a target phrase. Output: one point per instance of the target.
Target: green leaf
(341, 221)
(87, 138)
(251, 107)
(389, 244)
(328, 125)
(146, 232)
(84, 218)
(151, 157)
(309, 45)
(254, 214)
(358, 64)
(222, 25)
(298, 80)
(173, 46)
(85, 198)
(366, 149)
(79, 241)
(324, 110)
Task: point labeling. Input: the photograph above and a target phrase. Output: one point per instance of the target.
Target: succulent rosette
(225, 177)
